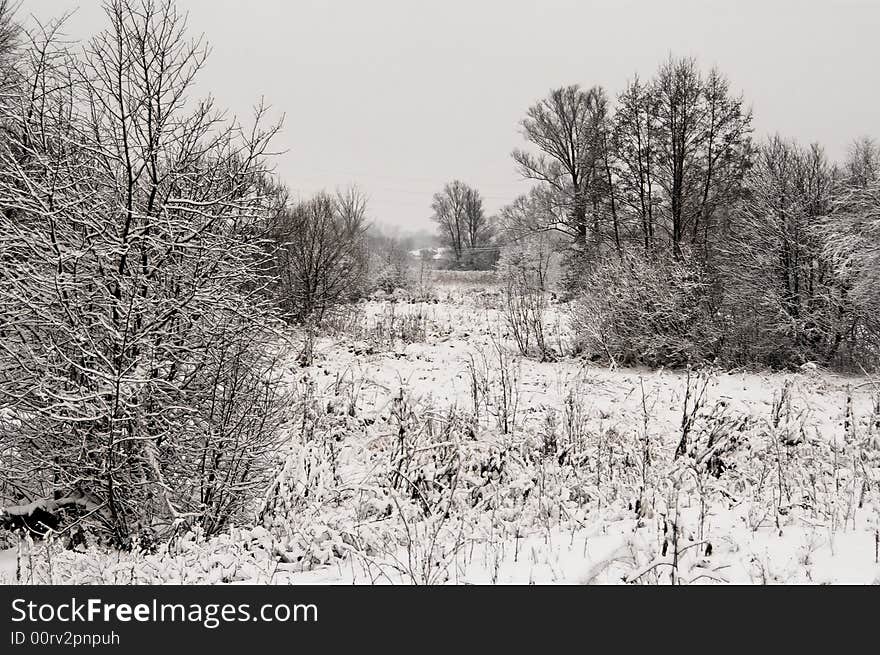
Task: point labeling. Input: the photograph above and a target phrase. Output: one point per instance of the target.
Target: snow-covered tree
(133, 362)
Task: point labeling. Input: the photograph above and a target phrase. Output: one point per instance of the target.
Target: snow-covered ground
(424, 450)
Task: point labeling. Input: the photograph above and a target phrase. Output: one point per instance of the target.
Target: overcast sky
(401, 96)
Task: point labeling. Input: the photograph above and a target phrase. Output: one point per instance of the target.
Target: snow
(802, 513)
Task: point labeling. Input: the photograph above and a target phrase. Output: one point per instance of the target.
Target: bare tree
(683, 145)
(10, 39)
(477, 230)
(464, 226)
(635, 145)
(564, 127)
(605, 188)
(449, 209)
(851, 243)
(351, 205)
(320, 254)
(680, 115)
(703, 147)
(725, 156)
(10, 32)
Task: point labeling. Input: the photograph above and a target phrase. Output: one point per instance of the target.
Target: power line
(430, 194)
(419, 192)
(348, 173)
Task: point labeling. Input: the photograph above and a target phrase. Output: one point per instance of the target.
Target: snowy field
(423, 449)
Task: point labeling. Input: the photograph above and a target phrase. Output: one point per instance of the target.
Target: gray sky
(401, 96)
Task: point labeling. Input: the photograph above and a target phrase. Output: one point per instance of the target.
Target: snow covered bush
(852, 246)
(788, 285)
(135, 374)
(524, 270)
(639, 310)
(391, 266)
(394, 270)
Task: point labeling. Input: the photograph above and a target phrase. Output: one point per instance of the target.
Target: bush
(134, 379)
(524, 269)
(636, 310)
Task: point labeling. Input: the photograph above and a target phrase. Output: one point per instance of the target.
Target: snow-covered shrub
(524, 272)
(395, 272)
(302, 510)
(134, 321)
(638, 310)
(797, 268)
(234, 556)
(851, 241)
(392, 271)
